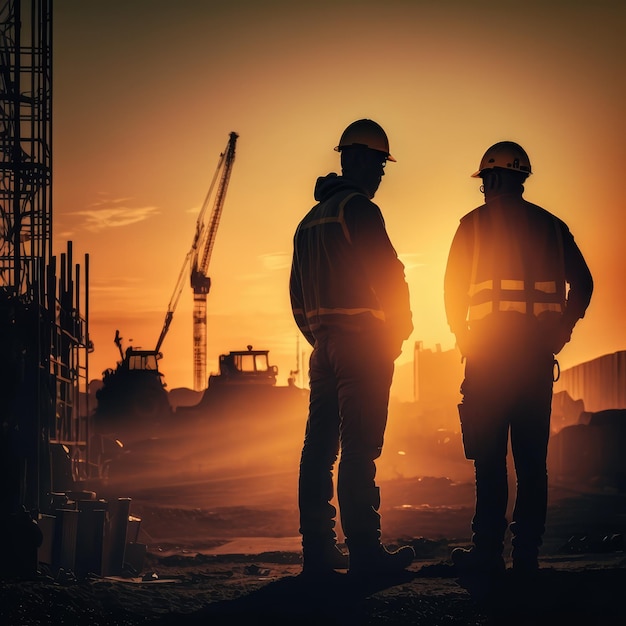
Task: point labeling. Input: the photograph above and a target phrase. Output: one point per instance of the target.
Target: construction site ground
(227, 552)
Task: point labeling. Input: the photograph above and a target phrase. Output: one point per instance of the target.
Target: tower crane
(198, 259)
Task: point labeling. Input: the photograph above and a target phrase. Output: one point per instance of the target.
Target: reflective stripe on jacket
(323, 244)
(517, 266)
(345, 272)
(514, 271)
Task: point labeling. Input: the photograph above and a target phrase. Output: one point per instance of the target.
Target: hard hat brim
(389, 157)
(479, 173)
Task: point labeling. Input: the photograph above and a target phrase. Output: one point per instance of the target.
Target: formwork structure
(43, 309)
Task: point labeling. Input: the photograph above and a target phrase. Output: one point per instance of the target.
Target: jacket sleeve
(297, 299)
(456, 280)
(580, 282)
(380, 261)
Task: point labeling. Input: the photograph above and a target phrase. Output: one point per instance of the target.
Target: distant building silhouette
(436, 374)
(588, 449)
(599, 383)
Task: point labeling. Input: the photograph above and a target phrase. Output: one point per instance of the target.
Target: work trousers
(350, 376)
(502, 395)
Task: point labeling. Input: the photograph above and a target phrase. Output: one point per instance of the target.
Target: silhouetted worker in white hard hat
(515, 285)
(350, 300)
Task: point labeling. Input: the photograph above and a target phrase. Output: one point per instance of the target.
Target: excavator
(132, 401)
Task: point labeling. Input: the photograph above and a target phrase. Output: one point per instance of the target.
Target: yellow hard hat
(365, 133)
(507, 155)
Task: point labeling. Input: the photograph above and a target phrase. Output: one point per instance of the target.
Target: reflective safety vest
(517, 265)
(344, 293)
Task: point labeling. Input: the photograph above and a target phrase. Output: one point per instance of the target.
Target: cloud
(64, 235)
(104, 201)
(276, 261)
(113, 217)
(107, 213)
(411, 260)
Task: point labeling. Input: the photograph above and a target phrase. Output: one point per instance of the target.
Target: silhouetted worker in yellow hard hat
(351, 302)
(515, 285)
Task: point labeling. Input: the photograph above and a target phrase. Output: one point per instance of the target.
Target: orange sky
(146, 93)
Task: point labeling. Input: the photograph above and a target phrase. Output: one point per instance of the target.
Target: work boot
(475, 561)
(525, 566)
(323, 560)
(377, 561)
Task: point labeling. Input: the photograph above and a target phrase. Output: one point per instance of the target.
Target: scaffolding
(43, 317)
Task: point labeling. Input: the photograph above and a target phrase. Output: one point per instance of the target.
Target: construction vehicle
(241, 407)
(246, 386)
(244, 422)
(245, 367)
(132, 402)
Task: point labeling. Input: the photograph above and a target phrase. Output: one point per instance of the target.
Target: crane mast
(197, 259)
(200, 257)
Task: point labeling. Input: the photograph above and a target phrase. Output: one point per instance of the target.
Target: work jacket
(509, 269)
(345, 273)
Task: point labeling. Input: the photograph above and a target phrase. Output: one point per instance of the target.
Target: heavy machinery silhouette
(243, 424)
(132, 402)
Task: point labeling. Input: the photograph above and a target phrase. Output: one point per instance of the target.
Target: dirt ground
(227, 552)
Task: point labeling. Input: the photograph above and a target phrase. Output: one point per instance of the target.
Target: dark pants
(350, 377)
(501, 396)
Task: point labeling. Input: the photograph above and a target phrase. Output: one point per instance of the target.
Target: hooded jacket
(345, 273)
